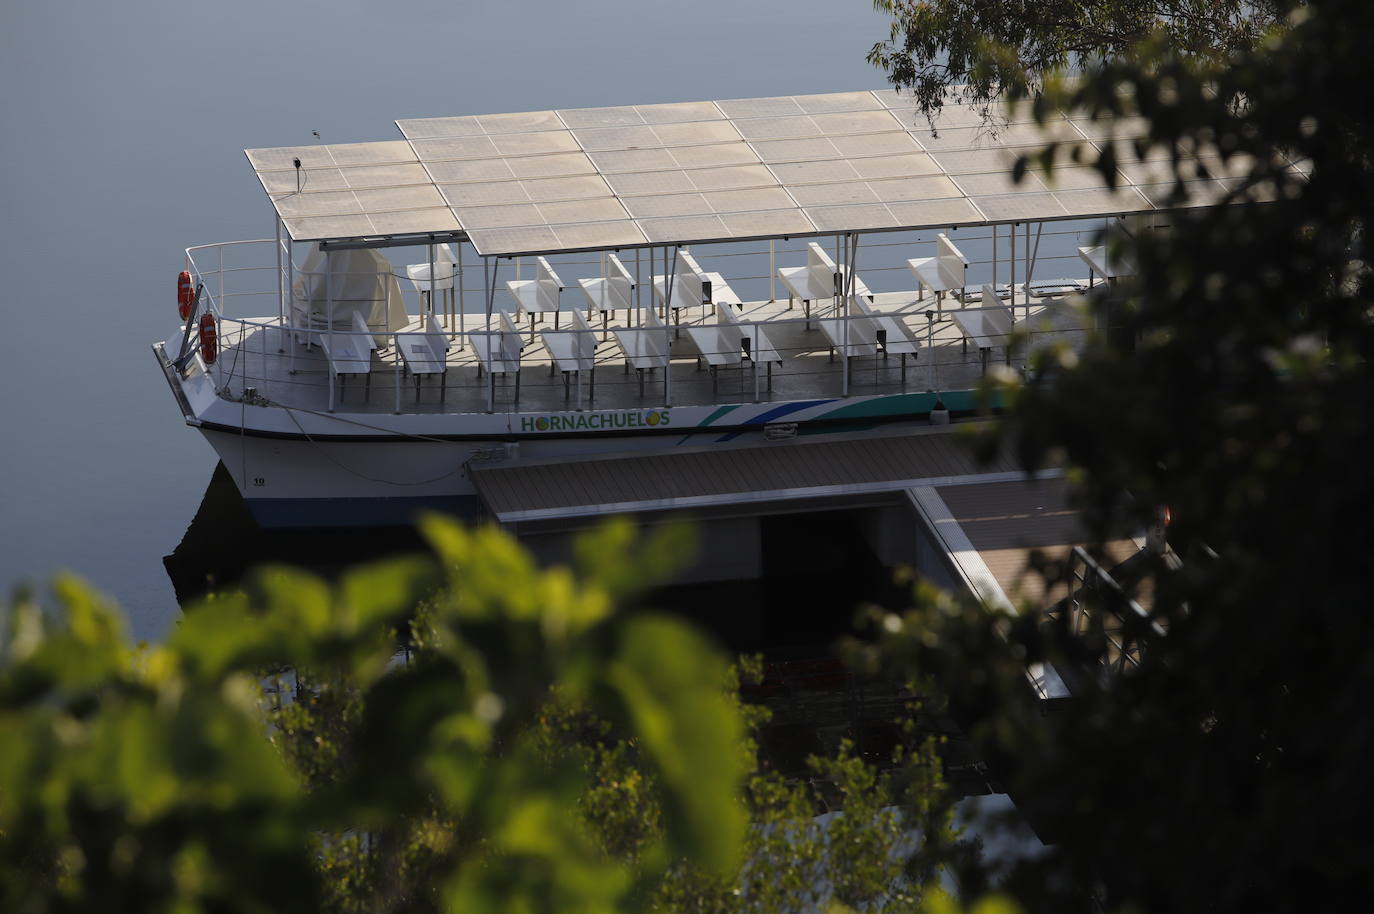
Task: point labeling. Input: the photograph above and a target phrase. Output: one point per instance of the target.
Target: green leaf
(668, 682)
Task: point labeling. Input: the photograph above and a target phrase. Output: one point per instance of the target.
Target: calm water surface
(124, 126)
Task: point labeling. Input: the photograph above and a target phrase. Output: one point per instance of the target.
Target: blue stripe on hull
(357, 512)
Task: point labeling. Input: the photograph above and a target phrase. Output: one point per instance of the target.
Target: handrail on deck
(225, 278)
(1095, 593)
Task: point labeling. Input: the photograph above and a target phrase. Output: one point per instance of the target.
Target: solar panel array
(697, 172)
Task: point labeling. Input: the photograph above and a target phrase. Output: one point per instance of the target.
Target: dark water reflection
(818, 572)
(223, 543)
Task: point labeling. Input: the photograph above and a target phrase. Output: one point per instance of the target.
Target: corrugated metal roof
(607, 178)
(662, 480)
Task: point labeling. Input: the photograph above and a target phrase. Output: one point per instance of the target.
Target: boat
(561, 285)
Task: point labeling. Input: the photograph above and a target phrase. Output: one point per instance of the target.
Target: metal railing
(1098, 609)
(262, 352)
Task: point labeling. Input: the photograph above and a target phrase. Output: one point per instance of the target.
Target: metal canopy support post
(753, 358)
(994, 256)
(431, 280)
(851, 283)
(667, 328)
(328, 325)
(1011, 267)
(930, 350)
(281, 297)
(839, 278)
(219, 299)
(772, 272)
(488, 281)
(845, 285)
(281, 304)
(396, 374)
(218, 369)
(462, 307)
(291, 308)
(1029, 262)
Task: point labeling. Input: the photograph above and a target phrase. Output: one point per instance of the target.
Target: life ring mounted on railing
(186, 294)
(209, 339)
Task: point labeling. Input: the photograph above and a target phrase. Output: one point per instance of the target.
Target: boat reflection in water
(224, 542)
(817, 567)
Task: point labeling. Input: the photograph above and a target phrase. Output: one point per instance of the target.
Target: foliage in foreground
(984, 51)
(144, 780)
(1229, 772)
(870, 835)
(534, 751)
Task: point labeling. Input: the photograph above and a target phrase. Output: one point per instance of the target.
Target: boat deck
(258, 355)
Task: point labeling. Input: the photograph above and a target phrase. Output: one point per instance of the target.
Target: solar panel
(690, 172)
(651, 183)
(494, 193)
(648, 207)
(800, 150)
(846, 192)
(632, 160)
(664, 231)
(921, 187)
(872, 144)
(547, 166)
(623, 233)
(851, 218)
(1008, 207)
(996, 182)
(322, 203)
(471, 170)
(602, 117)
(918, 163)
(838, 101)
(774, 224)
(749, 200)
(951, 211)
(732, 176)
(1093, 200)
(572, 188)
(739, 153)
(523, 122)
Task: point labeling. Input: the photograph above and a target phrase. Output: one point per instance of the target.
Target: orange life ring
(209, 340)
(186, 294)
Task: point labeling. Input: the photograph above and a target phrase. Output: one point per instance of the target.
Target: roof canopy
(602, 178)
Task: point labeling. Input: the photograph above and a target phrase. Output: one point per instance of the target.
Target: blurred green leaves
(691, 734)
(1234, 387)
(984, 52)
(146, 780)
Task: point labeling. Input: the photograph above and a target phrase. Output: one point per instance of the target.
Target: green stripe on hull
(907, 404)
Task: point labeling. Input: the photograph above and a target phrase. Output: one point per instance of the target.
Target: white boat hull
(300, 482)
(298, 468)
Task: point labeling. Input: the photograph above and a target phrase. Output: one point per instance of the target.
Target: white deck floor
(261, 357)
